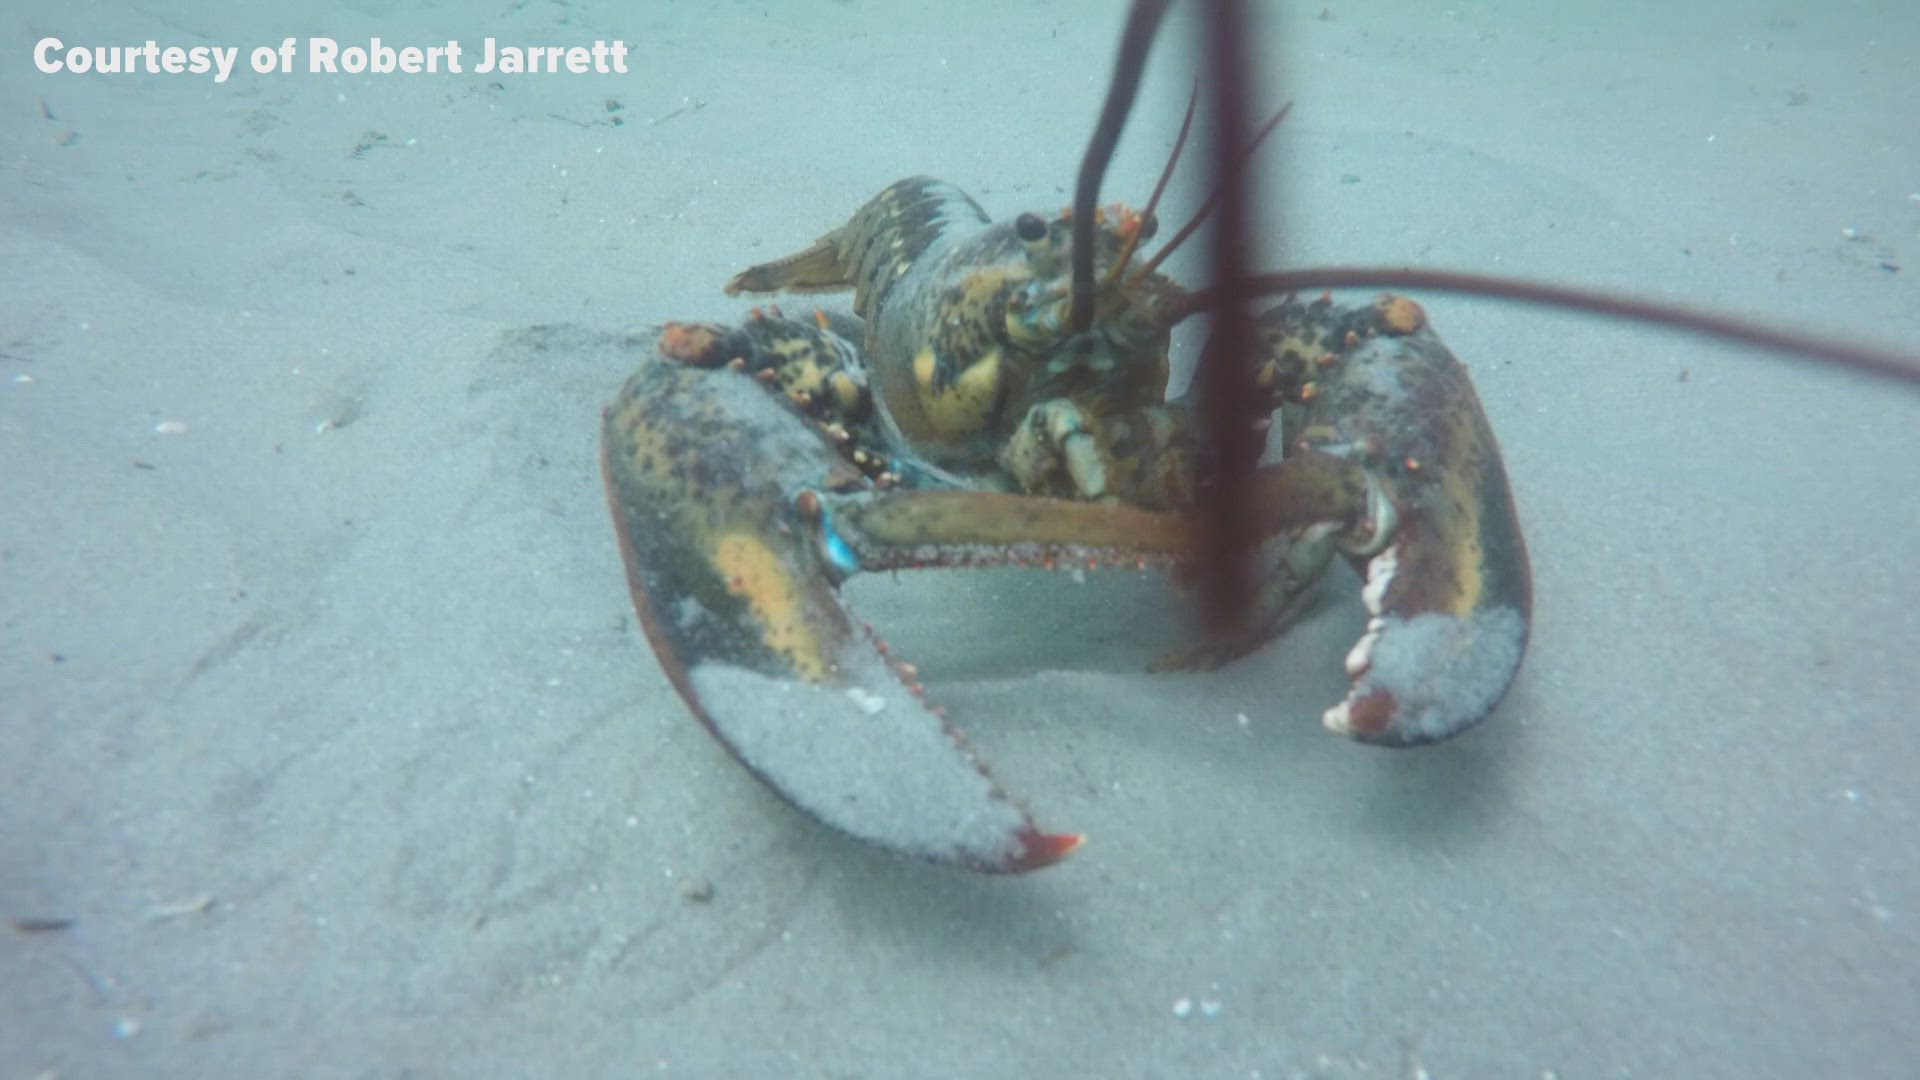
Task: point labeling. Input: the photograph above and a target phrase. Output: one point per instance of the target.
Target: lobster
(998, 396)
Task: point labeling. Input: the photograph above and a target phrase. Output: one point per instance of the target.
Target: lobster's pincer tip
(1040, 849)
(1426, 677)
(1449, 602)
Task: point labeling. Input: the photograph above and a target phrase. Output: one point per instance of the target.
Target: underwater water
(334, 747)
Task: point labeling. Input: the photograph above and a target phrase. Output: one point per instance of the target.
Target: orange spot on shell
(689, 342)
(1399, 315)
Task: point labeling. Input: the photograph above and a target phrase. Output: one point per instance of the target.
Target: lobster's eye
(1029, 227)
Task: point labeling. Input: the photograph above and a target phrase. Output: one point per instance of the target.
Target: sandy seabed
(333, 748)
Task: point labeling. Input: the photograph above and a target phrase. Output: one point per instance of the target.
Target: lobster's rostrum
(957, 419)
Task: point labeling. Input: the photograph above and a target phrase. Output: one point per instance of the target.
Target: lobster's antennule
(1143, 21)
(1159, 189)
(1206, 208)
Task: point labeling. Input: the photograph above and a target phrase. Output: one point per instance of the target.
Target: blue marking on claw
(840, 557)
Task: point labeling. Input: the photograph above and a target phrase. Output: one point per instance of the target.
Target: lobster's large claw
(1448, 589)
(732, 564)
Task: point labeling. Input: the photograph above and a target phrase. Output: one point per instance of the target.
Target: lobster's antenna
(1225, 381)
(1143, 22)
(1867, 359)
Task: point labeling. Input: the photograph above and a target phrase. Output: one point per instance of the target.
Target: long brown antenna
(1228, 445)
(1143, 22)
(1867, 359)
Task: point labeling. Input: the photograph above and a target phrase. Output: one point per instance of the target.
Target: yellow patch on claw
(846, 392)
(690, 342)
(755, 573)
(1461, 487)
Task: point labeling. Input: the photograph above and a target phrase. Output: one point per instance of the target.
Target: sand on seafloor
(332, 747)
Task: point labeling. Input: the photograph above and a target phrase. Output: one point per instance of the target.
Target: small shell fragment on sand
(196, 905)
